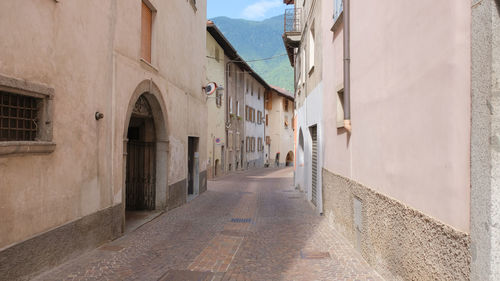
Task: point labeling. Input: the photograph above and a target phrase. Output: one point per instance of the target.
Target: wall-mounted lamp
(99, 116)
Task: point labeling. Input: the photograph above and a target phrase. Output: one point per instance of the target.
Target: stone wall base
(177, 194)
(203, 181)
(45, 251)
(396, 240)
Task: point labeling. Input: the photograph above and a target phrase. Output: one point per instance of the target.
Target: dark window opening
(19, 116)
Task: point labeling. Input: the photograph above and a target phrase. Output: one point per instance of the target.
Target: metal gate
(314, 186)
(141, 175)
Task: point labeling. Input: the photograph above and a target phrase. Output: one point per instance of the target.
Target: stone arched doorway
(145, 157)
(289, 159)
(140, 180)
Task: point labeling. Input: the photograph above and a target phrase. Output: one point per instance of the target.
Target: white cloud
(258, 10)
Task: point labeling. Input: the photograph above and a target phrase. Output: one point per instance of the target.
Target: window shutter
(146, 31)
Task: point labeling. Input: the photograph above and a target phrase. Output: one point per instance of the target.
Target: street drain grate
(233, 233)
(183, 275)
(240, 220)
(314, 255)
(111, 248)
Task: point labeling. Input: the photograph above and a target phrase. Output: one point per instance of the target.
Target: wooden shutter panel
(146, 29)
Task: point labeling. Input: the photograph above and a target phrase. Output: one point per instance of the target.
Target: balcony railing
(292, 20)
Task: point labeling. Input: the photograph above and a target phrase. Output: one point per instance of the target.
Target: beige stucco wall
(216, 115)
(236, 126)
(40, 192)
(88, 51)
(410, 104)
(310, 17)
(282, 138)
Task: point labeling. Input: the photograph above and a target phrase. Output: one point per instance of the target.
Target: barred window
(25, 117)
(19, 117)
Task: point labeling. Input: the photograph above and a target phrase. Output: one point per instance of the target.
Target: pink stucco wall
(410, 100)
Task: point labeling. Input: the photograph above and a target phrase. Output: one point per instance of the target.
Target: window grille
(18, 117)
(218, 99)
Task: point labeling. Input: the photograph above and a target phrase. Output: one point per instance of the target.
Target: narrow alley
(248, 226)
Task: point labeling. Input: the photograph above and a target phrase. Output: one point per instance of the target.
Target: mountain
(257, 40)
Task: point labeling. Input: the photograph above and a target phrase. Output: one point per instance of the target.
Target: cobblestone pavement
(247, 226)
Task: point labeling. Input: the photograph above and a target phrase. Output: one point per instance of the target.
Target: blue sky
(245, 9)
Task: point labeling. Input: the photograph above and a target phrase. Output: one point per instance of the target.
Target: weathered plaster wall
(410, 104)
(89, 52)
(308, 115)
(235, 90)
(185, 108)
(410, 112)
(485, 160)
(24, 260)
(216, 115)
(401, 243)
(41, 192)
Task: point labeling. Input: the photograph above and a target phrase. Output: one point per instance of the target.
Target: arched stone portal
(140, 181)
(145, 146)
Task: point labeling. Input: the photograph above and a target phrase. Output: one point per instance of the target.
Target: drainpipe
(227, 123)
(347, 68)
(228, 119)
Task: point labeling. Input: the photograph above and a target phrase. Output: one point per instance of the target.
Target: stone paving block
(198, 241)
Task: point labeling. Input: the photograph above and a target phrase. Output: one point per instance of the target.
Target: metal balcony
(292, 31)
(292, 21)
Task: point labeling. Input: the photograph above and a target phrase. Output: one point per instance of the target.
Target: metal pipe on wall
(347, 67)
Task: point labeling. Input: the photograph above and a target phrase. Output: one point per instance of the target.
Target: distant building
(303, 39)
(254, 125)
(243, 144)
(216, 103)
(279, 120)
(101, 112)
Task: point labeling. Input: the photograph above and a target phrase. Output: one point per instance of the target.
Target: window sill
(311, 70)
(26, 147)
(149, 64)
